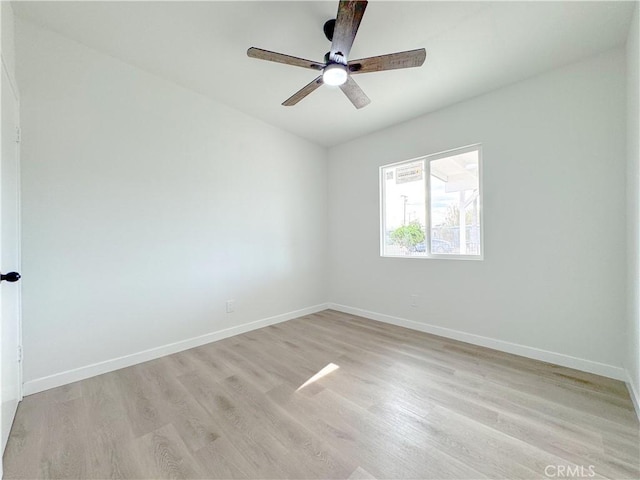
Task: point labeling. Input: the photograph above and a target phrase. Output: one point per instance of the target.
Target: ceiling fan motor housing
(328, 28)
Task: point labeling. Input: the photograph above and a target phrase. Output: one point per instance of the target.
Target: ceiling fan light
(334, 74)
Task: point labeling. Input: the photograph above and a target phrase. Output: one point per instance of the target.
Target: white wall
(632, 362)
(553, 277)
(8, 39)
(146, 207)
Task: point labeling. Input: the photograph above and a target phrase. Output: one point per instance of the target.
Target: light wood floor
(401, 404)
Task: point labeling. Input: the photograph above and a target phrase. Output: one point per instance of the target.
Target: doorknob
(10, 277)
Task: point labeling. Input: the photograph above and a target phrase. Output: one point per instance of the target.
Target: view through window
(431, 206)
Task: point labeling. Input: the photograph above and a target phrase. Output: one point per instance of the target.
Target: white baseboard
(563, 360)
(634, 394)
(70, 376)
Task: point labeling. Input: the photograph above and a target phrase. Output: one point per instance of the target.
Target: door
(10, 331)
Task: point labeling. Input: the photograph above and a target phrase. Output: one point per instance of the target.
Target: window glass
(431, 206)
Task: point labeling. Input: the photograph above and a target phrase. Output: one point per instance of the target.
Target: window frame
(427, 159)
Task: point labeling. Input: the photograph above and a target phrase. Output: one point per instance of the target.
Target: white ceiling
(472, 48)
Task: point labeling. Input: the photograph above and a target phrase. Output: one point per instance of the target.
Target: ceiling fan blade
(354, 93)
(350, 14)
(408, 59)
(303, 92)
(261, 54)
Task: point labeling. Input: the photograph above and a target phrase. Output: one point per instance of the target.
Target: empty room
(320, 239)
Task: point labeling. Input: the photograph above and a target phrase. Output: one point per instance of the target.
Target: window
(431, 206)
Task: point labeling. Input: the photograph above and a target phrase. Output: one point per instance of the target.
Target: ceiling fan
(337, 69)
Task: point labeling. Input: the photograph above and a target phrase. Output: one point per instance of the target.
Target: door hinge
(19, 354)
(18, 135)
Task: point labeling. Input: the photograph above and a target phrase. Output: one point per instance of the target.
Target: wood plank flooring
(400, 404)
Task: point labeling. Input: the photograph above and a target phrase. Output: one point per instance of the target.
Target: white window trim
(427, 162)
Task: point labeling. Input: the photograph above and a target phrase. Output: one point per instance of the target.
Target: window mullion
(427, 200)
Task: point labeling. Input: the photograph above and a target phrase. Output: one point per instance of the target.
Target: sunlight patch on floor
(331, 367)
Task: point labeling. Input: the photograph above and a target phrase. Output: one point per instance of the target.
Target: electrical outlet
(231, 306)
